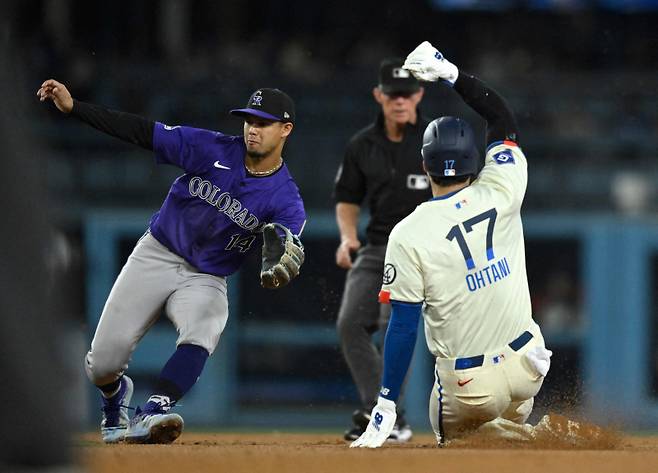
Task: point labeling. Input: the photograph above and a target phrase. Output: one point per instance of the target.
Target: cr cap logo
(257, 99)
(286, 115)
(399, 73)
(389, 274)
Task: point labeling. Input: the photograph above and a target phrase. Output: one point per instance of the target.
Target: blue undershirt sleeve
(399, 346)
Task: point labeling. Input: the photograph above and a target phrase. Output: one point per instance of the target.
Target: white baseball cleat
(566, 430)
(154, 427)
(115, 412)
(507, 429)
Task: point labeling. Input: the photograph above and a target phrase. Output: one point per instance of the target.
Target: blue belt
(475, 361)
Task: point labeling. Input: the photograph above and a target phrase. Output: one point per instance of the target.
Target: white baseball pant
(469, 392)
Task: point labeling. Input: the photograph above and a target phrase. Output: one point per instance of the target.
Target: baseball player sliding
(236, 191)
(459, 260)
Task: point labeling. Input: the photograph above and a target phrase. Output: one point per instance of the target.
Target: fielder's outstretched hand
(58, 93)
(382, 421)
(426, 63)
(281, 259)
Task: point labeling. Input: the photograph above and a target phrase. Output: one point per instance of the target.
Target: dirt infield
(324, 453)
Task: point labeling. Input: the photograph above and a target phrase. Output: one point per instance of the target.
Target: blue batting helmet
(449, 148)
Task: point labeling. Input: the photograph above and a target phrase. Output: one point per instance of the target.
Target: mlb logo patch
(417, 182)
(448, 172)
(400, 73)
(504, 157)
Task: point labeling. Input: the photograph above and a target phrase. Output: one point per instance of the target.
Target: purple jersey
(214, 213)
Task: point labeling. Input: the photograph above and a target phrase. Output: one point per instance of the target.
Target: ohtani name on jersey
(487, 276)
(232, 207)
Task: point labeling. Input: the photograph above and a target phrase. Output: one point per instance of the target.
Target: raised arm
(125, 126)
(428, 64)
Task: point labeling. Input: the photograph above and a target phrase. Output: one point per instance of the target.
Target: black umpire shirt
(389, 174)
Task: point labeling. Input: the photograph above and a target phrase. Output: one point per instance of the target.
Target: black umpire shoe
(360, 419)
(401, 432)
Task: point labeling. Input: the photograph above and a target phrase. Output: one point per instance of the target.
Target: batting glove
(281, 258)
(426, 63)
(382, 421)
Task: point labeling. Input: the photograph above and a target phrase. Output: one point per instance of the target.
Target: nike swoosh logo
(463, 383)
(219, 166)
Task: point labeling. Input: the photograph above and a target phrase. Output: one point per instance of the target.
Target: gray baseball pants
(359, 317)
(154, 279)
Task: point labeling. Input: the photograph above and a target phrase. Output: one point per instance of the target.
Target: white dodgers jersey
(463, 256)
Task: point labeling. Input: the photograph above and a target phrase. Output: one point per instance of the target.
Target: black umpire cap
(395, 80)
(272, 104)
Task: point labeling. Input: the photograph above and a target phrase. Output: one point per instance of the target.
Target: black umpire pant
(359, 317)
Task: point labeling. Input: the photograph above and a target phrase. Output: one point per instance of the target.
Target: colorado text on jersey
(232, 207)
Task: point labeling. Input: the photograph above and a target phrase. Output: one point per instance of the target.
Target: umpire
(382, 164)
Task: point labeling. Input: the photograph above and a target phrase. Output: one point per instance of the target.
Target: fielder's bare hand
(344, 252)
(58, 93)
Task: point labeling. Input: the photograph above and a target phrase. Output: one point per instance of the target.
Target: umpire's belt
(475, 361)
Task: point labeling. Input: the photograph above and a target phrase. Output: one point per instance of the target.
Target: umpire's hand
(344, 252)
(58, 93)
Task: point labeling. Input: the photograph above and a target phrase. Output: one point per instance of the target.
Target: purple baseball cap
(272, 104)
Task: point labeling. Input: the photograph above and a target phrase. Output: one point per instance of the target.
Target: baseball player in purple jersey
(236, 192)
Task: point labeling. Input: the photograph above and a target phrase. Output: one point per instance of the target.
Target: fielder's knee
(205, 335)
(103, 368)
